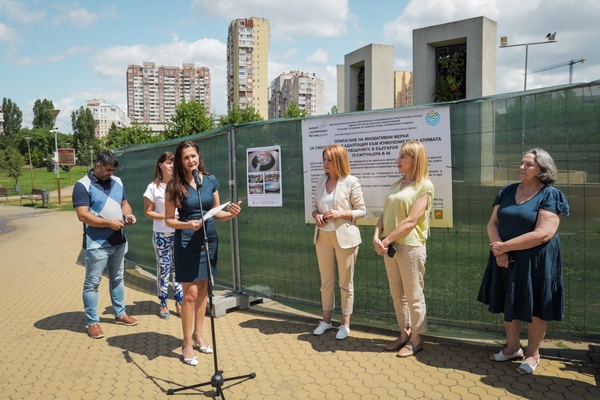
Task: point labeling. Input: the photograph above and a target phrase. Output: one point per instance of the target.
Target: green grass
(42, 179)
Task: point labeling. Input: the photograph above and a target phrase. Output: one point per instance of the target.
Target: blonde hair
(420, 167)
(339, 158)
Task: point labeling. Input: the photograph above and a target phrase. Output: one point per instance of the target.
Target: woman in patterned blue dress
(162, 235)
(190, 255)
(523, 279)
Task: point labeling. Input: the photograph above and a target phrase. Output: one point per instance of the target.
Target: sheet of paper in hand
(211, 213)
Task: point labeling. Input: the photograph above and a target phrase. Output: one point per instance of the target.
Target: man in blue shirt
(101, 204)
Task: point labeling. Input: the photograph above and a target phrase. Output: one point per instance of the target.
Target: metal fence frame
(563, 120)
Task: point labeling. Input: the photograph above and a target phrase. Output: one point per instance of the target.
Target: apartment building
(105, 115)
(154, 92)
(248, 44)
(302, 88)
(403, 88)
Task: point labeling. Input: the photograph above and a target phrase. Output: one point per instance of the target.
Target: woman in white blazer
(337, 204)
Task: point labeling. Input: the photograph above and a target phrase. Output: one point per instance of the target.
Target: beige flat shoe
(410, 349)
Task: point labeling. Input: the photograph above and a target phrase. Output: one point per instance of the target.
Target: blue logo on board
(432, 118)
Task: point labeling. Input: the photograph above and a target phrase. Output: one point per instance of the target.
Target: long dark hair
(164, 156)
(177, 187)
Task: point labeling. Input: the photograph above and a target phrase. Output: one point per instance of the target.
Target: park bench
(36, 195)
(4, 192)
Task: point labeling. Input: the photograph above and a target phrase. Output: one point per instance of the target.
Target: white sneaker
(342, 332)
(323, 326)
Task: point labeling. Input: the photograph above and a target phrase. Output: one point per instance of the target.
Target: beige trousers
(330, 254)
(405, 273)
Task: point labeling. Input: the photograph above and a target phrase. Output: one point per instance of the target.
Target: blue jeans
(96, 261)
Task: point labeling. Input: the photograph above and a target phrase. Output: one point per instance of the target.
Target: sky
(69, 52)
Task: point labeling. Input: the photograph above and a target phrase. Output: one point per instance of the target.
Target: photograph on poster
(263, 167)
(373, 143)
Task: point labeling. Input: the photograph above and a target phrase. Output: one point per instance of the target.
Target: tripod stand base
(216, 381)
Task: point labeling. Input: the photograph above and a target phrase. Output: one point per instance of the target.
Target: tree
(13, 117)
(135, 134)
(451, 74)
(84, 132)
(42, 118)
(41, 144)
(360, 86)
(240, 116)
(334, 110)
(12, 161)
(294, 111)
(190, 118)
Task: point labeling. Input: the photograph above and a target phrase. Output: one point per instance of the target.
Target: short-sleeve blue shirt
(104, 199)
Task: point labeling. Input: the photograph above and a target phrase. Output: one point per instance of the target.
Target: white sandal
(527, 368)
(193, 361)
(500, 356)
(203, 349)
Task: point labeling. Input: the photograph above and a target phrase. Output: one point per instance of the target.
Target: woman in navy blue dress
(189, 250)
(523, 279)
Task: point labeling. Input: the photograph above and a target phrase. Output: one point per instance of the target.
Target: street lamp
(91, 156)
(28, 139)
(504, 43)
(54, 113)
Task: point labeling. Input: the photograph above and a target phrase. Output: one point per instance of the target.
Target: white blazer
(347, 196)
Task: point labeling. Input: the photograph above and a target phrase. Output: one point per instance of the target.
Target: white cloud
(7, 34)
(74, 50)
(79, 16)
(45, 60)
(288, 21)
(320, 56)
(434, 12)
(17, 11)
(329, 76)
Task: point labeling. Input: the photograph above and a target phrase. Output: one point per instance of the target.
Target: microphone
(197, 178)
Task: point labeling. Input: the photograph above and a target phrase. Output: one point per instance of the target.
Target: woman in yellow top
(400, 236)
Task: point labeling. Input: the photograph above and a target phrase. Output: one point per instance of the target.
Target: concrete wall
(378, 61)
(341, 92)
(479, 34)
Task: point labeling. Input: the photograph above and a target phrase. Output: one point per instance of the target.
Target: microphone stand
(217, 379)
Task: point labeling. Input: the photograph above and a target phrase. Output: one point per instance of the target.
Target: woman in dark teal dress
(189, 250)
(523, 279)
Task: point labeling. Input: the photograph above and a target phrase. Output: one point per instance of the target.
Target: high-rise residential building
(301, 88)
(247, 64)
(403, 88)
(154, 92)
(105, 115)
